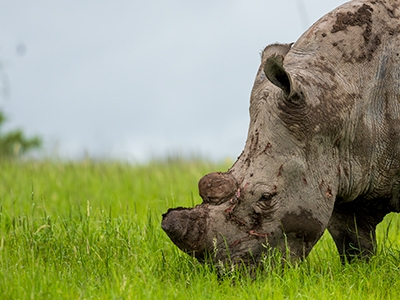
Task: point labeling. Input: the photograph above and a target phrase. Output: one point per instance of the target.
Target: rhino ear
(276, 73)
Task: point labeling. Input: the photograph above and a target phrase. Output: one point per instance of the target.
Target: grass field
(91, 230)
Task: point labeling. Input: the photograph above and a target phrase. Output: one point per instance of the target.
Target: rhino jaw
(187, 228)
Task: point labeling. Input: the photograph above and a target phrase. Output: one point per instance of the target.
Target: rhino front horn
(216, 188)
(187, 228)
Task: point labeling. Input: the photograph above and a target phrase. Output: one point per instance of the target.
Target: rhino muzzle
(187, 228)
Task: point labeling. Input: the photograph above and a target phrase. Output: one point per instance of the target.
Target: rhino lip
(187, 228)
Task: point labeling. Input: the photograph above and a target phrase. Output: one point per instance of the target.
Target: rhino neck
(355, 112)
(349, 74)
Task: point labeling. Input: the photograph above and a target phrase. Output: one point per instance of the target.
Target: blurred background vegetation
(14, 143)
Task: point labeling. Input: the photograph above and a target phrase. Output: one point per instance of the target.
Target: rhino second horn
(216, 188)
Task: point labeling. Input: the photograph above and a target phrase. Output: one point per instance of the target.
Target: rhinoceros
(322, 151)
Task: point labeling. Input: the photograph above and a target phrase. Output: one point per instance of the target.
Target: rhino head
(321, 151)
(271, 196)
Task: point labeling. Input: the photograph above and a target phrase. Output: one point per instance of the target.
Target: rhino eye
(265, 205)
(267, 197)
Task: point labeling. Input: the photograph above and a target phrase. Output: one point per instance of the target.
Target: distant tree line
(14, 143)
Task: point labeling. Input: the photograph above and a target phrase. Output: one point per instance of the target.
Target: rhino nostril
(216, 188)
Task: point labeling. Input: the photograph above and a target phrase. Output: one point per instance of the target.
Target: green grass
(91, 230)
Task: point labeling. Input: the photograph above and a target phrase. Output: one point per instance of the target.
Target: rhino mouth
(188, 229)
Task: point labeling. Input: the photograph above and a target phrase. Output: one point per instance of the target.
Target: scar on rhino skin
(252, 232)
(230, 209)
(280, 170)
(235, 243)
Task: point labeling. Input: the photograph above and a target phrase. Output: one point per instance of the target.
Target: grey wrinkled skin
(323, 146)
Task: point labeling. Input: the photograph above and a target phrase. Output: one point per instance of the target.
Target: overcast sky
(137, 79)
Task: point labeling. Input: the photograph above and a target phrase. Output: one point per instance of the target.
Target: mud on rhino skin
(323, 147)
